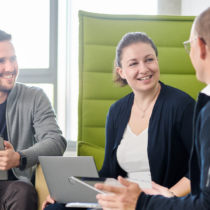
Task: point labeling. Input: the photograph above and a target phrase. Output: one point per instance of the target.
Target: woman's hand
(159, 190)
(150, 191)
(48, 200)
(122, 198)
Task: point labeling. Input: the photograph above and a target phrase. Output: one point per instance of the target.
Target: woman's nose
(142, 68)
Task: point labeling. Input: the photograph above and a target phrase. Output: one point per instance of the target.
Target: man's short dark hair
(5, 36)
(202, 26)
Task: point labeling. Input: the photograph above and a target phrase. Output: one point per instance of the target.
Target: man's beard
(4, 88)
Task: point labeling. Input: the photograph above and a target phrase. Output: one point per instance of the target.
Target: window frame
(46, 75)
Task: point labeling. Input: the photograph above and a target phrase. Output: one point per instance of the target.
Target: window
(33, 25)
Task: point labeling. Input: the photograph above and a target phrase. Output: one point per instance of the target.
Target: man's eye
(13, 59)
(1, 60)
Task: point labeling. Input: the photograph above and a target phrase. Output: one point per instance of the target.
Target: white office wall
(194, 7)
(169, 7)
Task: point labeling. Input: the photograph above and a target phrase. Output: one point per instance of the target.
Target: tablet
(90, 182)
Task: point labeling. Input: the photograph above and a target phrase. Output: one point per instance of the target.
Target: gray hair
(5, 36)
(202, 26)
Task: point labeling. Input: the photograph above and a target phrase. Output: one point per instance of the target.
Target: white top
(132, 157)
(206, 90)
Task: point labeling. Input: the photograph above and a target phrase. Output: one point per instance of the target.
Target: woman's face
(139, 66)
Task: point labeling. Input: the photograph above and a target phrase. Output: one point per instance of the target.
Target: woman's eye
(149, 59)
(1, 60)
(133, 64)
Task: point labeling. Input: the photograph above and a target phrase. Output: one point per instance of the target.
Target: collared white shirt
(206, 90)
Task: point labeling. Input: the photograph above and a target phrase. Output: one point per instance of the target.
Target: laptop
(58, 169)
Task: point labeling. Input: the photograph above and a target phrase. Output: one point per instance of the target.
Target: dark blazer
(169, 136)
(199, 199)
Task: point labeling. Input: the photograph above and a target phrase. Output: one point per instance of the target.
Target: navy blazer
(199, 199)
(169, 136)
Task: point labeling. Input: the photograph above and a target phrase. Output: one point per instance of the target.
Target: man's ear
(202, 48)
(120, 72)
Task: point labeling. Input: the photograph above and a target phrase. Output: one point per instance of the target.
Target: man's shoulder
(206, 110)
(26, 88)
(25, 91)
(22, 93)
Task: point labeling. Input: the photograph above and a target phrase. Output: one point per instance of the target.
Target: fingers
(114, 205)
(48, 200)
(123, 181)
(7, 150)
(109, 188)
(106, 197)
(109, 204)
(44, 205)
(162, 190)
(8, 145)
(150, 191)
(156, 187)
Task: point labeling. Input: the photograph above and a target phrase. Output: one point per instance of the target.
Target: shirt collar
(206, 90)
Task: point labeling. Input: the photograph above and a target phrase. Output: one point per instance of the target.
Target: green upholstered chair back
(98, 37)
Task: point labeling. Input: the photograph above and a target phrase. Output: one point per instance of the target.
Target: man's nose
(9, 66)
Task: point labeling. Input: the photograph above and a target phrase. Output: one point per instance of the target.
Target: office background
(45, 35)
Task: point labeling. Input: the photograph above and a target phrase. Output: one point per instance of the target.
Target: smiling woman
(143, 141)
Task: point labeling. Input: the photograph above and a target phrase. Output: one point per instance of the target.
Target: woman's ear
(202, 47)
(120, 72)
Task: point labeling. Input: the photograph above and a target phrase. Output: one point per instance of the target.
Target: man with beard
(29, 128)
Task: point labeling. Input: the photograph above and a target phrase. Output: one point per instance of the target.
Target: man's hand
(8, 157)
(48, 200)
(123, 197)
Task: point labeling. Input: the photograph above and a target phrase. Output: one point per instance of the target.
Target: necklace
(148, 105)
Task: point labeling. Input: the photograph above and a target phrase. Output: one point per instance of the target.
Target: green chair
(98, 37)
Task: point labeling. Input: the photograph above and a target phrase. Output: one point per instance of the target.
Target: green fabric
(86, 149)
(98, 37)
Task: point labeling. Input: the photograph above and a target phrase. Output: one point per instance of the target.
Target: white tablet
(90, 182)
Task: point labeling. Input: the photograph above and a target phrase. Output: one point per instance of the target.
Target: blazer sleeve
(110, 140)
(186, 127)
(195, 202)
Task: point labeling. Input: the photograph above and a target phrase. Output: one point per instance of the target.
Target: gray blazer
(32, 127)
